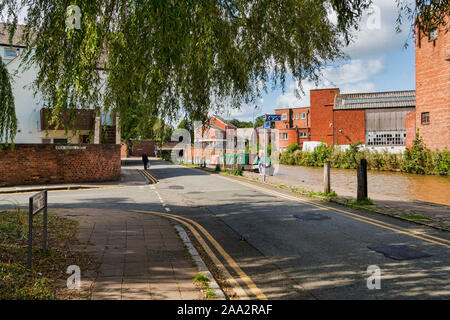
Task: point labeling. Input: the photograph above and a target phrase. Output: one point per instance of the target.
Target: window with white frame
(303, 115)
(296, 117)
(284, 116)
(284, 136)
(302, 134)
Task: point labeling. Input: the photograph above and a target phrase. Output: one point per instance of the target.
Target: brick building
(294, 126)
(432, 116)
(378, 119)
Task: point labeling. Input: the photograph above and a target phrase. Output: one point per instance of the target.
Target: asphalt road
(290, 249)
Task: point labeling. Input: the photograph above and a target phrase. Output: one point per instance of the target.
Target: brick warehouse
(378, 120)
(432, 116)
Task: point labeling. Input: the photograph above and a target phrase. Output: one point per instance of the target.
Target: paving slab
(141, 256)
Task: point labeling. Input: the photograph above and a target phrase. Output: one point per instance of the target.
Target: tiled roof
(375, 100)
(17, 38)
(226, 122)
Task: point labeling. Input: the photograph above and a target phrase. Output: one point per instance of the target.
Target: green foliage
(201, 278)
(161, 58)
(293, 147)
(259, 121)
(238, 171)
(8, 120)
(241, 124)
(418, 160)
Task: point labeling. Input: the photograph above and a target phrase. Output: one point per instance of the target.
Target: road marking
(378, 223)
(249, 282)
(236, 287)
(149, 176)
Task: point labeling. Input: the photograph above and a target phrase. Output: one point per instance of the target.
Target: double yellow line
(237, 288)
(147, 174)
(415, 234)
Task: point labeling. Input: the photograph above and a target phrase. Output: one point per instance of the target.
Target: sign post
(37, 203)
(268, 118)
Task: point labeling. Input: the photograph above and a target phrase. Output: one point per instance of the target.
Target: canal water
(383, 184)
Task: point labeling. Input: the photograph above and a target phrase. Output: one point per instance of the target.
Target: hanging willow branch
(8, 120)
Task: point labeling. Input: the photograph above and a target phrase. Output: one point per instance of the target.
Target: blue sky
(377, 62)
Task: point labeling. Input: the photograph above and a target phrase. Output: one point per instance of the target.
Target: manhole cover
(399, 252)
(176, 187)
(311, 216)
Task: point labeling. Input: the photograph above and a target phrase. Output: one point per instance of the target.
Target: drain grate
(311, 216)
(399, 252)
(176, 187)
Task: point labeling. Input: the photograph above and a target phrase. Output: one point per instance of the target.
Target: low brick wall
(29, 164)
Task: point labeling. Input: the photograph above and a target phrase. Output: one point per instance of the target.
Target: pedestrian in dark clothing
(145, 161)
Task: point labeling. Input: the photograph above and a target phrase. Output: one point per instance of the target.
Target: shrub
(418, 159)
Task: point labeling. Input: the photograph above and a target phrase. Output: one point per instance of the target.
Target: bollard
(326, 177)
(362, 180)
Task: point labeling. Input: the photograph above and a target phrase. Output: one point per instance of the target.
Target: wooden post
(326, 178)
(362, 180)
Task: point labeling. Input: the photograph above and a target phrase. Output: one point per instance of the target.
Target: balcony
(84, 120)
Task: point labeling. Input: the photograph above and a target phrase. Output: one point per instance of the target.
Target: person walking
(145, 161)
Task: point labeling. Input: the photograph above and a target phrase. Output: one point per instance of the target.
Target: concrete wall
(433, 88)
(29, 164)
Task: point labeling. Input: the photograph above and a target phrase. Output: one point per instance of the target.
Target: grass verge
(47, 279)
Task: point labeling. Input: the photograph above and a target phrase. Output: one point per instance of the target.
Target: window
(433, 35)
(386, 138)
(296, 117)
(302, 134)
(425, 117)
(284, 116)
(284, 136)
(303, 115)
(60, 141)
(11, 53)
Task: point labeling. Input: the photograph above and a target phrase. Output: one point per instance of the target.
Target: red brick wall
(138, 148)
(352, 126)
(284, 124)
(433, 89)
(321, 105)
(292, 137)
(301, 123)
(29, 164)
(410, 128)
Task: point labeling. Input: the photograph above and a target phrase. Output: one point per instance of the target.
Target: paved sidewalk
(141, 256)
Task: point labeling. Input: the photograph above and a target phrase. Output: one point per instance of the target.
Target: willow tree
(193, 56)
(8, 120)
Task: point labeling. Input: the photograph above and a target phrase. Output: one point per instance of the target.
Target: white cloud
(352, 76)
(377, 34)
